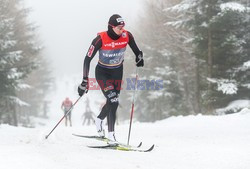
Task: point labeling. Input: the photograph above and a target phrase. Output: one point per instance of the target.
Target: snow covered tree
(19, 53)
(219, 29)
(230, 52)
(179, 43)
(167, 59)
(39, 81)
(242, 72)
(200, 49)
(10, 56)
(150, 103)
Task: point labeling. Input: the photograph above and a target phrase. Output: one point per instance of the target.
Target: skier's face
(118, 29)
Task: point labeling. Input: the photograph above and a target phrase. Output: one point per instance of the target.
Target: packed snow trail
(192, 142)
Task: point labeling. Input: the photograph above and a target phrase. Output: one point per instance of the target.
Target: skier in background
(111, 45)
(88, 114)
(66, 105)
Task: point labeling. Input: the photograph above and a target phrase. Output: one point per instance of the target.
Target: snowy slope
(192, 142)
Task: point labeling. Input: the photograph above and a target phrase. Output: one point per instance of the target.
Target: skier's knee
(113, 100)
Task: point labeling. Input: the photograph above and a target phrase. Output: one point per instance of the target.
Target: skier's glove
(83, 87)
(139, 60)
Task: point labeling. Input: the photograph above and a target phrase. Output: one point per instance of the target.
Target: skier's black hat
(116, 20)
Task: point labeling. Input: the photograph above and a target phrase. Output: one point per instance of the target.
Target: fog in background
(194, 63)
(67, 27)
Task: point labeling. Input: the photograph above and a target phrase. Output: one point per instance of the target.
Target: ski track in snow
(192, 142)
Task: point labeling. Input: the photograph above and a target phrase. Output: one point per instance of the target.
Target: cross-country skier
(111, 45)
(88, 114)
(66, 105)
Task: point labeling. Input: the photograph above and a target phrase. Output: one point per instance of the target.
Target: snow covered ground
(192, 142)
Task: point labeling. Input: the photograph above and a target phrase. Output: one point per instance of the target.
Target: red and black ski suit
(109, 70)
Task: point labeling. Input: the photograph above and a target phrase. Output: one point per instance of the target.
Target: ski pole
(46, 137)
(133, 104)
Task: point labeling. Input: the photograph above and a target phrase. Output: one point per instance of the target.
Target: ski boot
(99, 127)
(111, 139)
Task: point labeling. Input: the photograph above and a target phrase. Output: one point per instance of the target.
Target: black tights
(109, 81)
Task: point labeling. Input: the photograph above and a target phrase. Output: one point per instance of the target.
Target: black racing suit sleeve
(133, 45)
(94, 47)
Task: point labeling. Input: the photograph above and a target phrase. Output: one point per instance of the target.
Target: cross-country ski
(123, 148)
(104, 139)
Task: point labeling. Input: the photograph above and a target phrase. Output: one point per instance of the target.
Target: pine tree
(168, 59)
(19, 51)
(219, 42)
